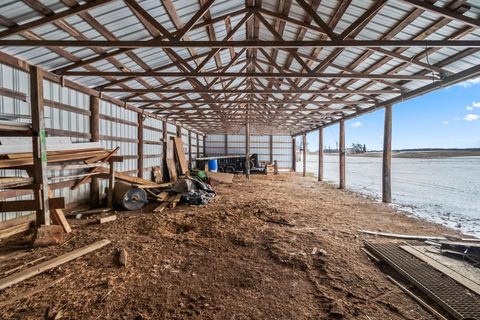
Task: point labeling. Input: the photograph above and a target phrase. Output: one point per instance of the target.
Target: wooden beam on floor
(42, 267)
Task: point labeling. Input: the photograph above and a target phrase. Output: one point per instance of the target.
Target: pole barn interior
(225, 77)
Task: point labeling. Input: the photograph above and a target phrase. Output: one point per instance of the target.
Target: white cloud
(469, 83)
(471, 117)
(469, 108)
(445, 122)
(356, 124)
(476, 104)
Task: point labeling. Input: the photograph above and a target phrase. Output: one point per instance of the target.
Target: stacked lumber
(16, 153)
(269, 168)
(167, 201)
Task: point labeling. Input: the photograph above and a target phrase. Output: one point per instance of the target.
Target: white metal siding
(259, 144)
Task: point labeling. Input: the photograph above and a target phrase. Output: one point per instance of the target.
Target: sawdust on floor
(275, 247)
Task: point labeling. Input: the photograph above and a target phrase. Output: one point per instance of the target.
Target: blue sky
(446, 118)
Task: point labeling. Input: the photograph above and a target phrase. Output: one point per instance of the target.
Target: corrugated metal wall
(16, 80)
(152, 145)
(67, 114)
(220, 144)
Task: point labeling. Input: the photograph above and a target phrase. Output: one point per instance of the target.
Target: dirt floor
(277, 247)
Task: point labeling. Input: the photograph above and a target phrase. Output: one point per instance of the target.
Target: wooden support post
(140, 167)
(198, 146)
(271, 148)
(387, 157)
(95, 137)
(320, 154)
(294, 154)
(111, 184)
(304, 142)
(39, 148)
(247, 149)
(165, 148)
(190, 149)
(179, 131)
(204, 152)
(341, 153)
(225, 145)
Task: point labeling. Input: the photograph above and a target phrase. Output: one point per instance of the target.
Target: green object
(202, 175)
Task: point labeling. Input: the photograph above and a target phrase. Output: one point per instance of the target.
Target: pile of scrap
(444, 270)
(90, 160)
(190, 190)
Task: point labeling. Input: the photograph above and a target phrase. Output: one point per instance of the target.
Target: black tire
(230, 169)
(221, 169)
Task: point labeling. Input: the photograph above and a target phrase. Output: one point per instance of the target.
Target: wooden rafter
(298, 81)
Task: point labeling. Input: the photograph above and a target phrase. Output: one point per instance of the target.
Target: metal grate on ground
(452, 296)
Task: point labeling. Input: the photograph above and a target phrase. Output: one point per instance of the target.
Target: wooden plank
(57, 216)
(26, 264)
(11, 182)
(157, 174)
(102, 158)
(161, 207)
(163, 196)
(180, 154)
(85, 178)
(27, 205)
(27, 148)
(152, 185)
(175, 201)
(34, 291)
(10, 231)
(107, 219)
(133, 180)
(27, 155)
(402, 236)
(221, 177)
(460, 278)
(16, 221)
(47, 265)
(172, 170)
(4, 164)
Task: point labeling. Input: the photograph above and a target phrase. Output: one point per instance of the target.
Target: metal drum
(129, 197)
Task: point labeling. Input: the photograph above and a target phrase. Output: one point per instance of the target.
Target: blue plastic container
(213, 165)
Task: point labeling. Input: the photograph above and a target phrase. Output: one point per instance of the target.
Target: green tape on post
(43, 141)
